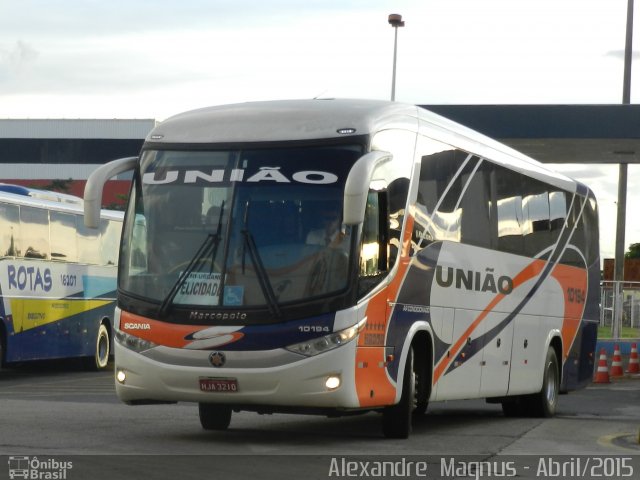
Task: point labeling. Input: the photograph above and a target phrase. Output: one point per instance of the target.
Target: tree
(634, 251)
(58, 185)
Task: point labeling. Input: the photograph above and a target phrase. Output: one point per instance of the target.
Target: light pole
(395, 21)
(618, 275)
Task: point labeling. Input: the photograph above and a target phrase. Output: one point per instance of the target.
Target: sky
(156, 58)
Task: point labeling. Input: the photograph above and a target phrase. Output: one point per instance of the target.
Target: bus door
(496, 354)
(459, 370)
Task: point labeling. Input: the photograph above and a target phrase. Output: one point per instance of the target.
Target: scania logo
(136, 326)
(217, 359)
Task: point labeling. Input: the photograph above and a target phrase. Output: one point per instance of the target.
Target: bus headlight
(328, 342)
(133, 343)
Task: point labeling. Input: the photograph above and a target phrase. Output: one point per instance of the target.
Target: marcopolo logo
(38, 469)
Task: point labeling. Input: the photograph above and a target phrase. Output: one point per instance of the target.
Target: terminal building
(60, 154)
(35, 153)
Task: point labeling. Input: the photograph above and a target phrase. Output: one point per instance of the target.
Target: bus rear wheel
(543, 403)
(100, 358)
(214, 417)
(396, 419)
(103, 347)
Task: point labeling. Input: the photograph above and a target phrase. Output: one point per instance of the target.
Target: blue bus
(57, 278)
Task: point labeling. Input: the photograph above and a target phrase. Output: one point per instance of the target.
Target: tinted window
(476, 227)
(438, 212)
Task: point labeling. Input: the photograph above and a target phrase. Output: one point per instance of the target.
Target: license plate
(223, 385)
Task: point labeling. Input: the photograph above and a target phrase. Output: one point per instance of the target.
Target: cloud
(17, 57)
(619, 54)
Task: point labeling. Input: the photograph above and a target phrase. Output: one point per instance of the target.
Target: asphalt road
(62, 411)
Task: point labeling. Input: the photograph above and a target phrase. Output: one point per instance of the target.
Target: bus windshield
(256, 228)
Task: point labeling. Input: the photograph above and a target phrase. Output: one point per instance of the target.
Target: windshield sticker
(200, 289)
(233, 295)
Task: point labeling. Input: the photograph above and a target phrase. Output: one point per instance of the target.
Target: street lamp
(395, 21)
(618, 273)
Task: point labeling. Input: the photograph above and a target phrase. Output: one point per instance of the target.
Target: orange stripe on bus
(529, 272)
(373, 386)
(161, 333)
(574, 286)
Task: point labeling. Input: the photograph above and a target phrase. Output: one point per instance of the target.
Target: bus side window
(374, 243)
(87, 239)
(109, 241)
(10, 232)
(63, 236)
(398, 191)
(34, 223)
(511, 210)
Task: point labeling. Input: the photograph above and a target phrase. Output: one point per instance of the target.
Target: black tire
(422, 385)
(2, 348)
(543, 404)
(100, 359)
(396, 419)
(514, 407)
(214, 417)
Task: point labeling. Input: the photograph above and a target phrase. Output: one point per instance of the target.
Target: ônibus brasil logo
(38, 469)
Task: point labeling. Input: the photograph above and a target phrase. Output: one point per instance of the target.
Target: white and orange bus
(344, 256)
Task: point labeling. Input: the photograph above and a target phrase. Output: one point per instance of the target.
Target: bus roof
(41, 194)
(281, 120)
(299, 120)
(23, 198)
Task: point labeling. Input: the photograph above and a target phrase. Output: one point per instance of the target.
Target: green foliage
(634, 251)
(58, 185)
(626, 332)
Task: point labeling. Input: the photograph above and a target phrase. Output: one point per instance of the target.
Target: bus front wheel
(214, 417)
(396, 419)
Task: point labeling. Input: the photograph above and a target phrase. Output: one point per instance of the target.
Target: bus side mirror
(95, 184)
(356, 187)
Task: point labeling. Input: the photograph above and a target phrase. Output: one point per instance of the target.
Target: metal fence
(620, 309)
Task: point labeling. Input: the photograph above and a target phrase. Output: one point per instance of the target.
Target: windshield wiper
(210, 245)
(263, 276)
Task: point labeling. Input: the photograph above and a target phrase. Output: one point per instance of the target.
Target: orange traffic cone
(616, 363)
(602, 373)
(634, 365)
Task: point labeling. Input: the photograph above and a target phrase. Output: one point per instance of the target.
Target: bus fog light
(332, 382)
(121, 376)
